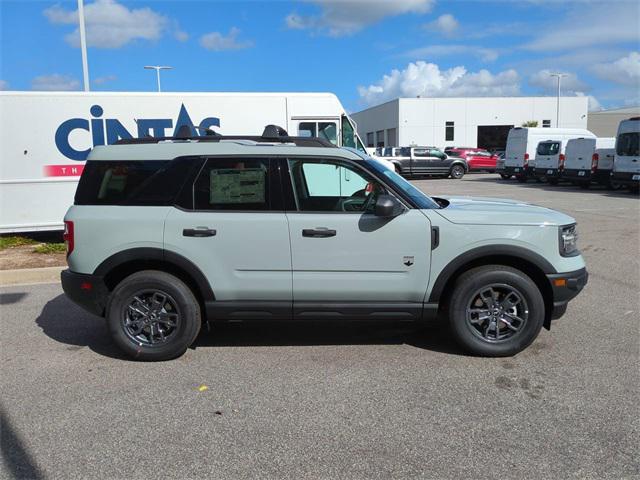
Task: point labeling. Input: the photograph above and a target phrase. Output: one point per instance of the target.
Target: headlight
(569, 241)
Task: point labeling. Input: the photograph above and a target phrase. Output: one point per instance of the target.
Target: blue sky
(365, 51)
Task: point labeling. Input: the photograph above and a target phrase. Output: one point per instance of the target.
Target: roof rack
(271, 134)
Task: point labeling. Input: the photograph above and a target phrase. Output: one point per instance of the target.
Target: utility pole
(559, 75)
(157, 68)
(83, 45)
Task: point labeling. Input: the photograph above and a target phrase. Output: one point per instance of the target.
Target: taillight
(526, 159)
(68, 236)
(594, 162)
(561, 162)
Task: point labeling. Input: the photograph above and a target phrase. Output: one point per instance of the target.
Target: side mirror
(387, 206)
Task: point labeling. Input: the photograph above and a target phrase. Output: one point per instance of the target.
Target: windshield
(419, 198)
(548, 148)
(628, 144)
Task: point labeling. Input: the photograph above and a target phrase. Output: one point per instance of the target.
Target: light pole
(83, 45)
(559, 75)
(157, 68)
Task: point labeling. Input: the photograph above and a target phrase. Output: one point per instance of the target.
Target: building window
(448, 135)
(370, 139)
(380, 138)
(391, 138)
(546, 123)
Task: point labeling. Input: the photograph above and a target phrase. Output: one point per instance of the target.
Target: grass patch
(50, 248)
(15, 241)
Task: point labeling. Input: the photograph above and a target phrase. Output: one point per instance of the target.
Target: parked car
(415, 161)
(522, 142)
(477, 159)
(626, 164)
(391, 152)
(589, 160)
(188, 231)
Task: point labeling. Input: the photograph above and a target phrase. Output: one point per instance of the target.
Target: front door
(234, 229)
(342, 254)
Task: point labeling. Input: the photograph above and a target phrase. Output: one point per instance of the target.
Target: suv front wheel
(153, 315)
(495, 311)
(457, 172)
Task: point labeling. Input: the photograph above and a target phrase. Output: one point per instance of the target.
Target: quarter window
(233, 184)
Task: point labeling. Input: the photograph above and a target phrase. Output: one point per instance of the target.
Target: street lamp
(83, 45)
(157, 68)
(559, 75)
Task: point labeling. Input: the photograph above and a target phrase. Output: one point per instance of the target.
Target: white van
(550, 155)
(626, 164)
(46, 136)
(522, 142)
(589, 160)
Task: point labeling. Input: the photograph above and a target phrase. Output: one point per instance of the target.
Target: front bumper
(88, 291)
(626, 178)
(565, 287)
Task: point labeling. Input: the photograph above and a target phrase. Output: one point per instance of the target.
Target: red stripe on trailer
(63, 170)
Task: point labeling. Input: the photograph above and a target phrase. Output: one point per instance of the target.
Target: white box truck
(589, 160)
(522, 144)
(45, 136)
(626, 164)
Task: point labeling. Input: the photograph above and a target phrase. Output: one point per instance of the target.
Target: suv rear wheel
(495, 311)
(153, 315)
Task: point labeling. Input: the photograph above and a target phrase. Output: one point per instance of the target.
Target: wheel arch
(124, 263)
(530, 263)
(464, 165)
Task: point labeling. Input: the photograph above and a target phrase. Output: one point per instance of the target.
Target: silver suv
(166, 235)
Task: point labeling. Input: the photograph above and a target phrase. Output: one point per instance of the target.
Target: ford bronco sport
(168, 234)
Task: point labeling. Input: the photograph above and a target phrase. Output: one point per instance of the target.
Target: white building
(466, 122)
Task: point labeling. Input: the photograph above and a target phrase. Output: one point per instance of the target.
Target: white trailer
(45, 136)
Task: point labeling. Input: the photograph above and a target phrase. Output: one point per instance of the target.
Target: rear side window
(548, 148)
(233, 184)
(628, 144)
(140, 182)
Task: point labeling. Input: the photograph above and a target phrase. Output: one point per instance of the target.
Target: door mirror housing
(388, 206)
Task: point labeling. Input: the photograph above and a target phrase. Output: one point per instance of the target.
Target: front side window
(548, 148)
(331, 185)
(233, 184)
(628, 144)
(434, 152)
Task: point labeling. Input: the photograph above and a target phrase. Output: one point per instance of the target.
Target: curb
(27, 276)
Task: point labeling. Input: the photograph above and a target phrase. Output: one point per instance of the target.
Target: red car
(477, 158)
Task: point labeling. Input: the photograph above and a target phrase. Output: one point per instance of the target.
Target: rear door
(421, 161)
(232, 225)
(547, 154)
(341, 252)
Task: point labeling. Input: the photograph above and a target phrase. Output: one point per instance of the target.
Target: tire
(475, 338)
(179, 314)
(457, 172)
(397, 169)
(504, 176)
(521, 178)
(553, 181)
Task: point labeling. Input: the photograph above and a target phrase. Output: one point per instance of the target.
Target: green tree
(530, 123)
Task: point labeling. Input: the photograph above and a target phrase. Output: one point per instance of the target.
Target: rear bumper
(548, 172)
(518, 171)
(626, 178)
(88, 291)
(565, 287)
(583, 175)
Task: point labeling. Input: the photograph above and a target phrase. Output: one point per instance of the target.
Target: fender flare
(151, 254)
(512, 251)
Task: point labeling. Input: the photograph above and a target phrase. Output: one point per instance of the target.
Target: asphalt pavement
(361, 401)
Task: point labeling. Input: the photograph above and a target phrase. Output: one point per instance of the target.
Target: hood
(498, 211)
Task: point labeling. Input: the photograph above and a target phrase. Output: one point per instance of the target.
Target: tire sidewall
(457, 168)
(471, 282)
(186, 302)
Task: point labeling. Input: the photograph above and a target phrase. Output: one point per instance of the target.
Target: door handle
(318, 232)
(199, 232)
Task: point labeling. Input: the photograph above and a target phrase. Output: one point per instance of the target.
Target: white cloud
(55, 82)
(346, 17)
(590, 25)
(427, 80)
(548, 84)
(625, 70)
(105, 79)
(217, 41)
(4, 85)
(445, 24)
(486, 54)
(181, 35)
(110, 24)
(593, 103)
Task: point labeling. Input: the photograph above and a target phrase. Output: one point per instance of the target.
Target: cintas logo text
(110, 130)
